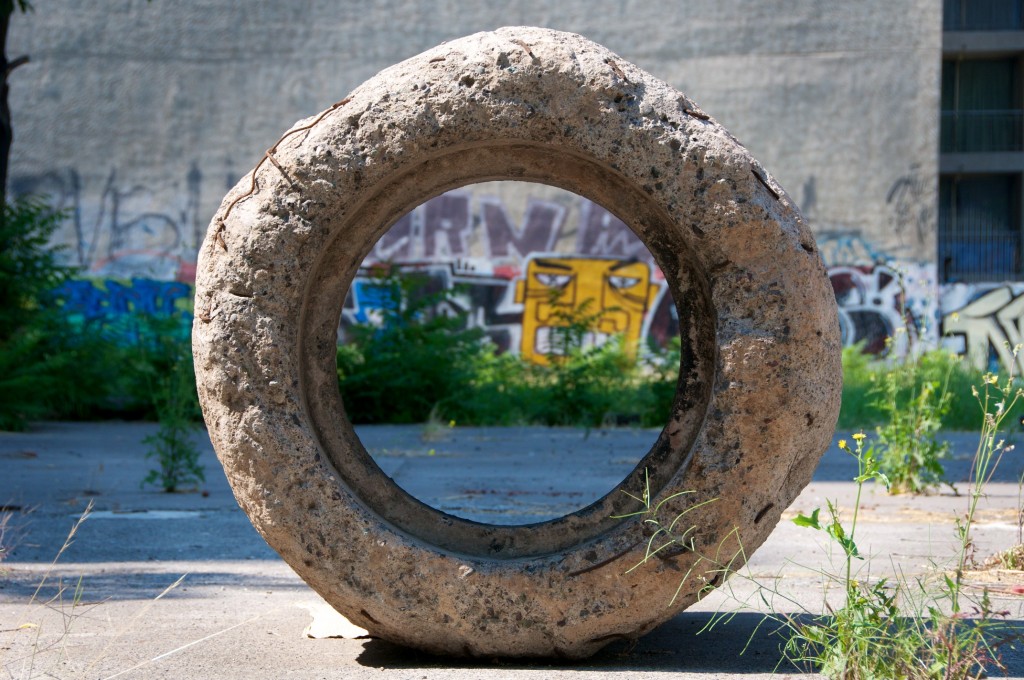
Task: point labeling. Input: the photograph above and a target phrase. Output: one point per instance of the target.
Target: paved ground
(240, 612)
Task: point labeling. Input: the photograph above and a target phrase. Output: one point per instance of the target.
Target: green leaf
(803, 520)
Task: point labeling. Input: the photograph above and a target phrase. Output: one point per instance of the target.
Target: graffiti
(121, 234)
(886, 304)
(538, 233)
(438, 230)
(447, 227)
(113, 305)
(871, 308)
(604, 235)
(912, 201)
(847, 248)
(477, 296)
(522, 315)
(556, 291)
(810, 198)
(878, 294)
(984, 323)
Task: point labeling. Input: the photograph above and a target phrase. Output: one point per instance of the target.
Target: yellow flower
(859, 437)
(842, 443)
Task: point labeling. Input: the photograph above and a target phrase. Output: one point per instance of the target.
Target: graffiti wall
(523, 267)
(984, 322)
(521, 261)
(115, 307)
(887, 303)
(120, 229)
(878, 295)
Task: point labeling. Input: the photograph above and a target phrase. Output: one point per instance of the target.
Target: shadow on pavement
(745, 645)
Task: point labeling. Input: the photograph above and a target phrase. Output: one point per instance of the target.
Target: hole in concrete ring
(365, 230)
(508, 352)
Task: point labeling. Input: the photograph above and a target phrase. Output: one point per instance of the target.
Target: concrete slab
(240, 612)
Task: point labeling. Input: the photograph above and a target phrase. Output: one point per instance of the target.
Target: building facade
(981, 165)
(896, 126)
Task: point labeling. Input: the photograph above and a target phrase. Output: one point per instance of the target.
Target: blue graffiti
(371, 296)
(113, 299)
(121, 308)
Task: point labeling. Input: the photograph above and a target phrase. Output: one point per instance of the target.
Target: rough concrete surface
(756, 310)
(240, 612)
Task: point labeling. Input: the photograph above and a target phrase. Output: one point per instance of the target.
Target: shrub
(32, 366)
(418, 362)
(29, 266)
(414, 362)
(864, 378)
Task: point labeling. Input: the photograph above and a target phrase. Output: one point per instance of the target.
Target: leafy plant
(574, 324)
(31, 361)
(898, 629)
(869, 637)
(997, 399)
(909, 451)
(172, 445)
(865, 375)
(417, 364)
(414, 361)
(29, 266)
(585, 385)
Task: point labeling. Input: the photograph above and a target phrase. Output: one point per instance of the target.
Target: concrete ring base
(759, 383)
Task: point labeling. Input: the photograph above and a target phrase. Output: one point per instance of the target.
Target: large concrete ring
(759, 383)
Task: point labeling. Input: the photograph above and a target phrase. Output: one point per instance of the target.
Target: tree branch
(15, 63)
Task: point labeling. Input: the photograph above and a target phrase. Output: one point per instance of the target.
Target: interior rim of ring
(356, 468)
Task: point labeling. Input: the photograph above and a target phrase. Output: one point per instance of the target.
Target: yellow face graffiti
(614, 294)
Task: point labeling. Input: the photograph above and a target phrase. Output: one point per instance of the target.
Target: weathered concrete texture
(759, 382)
(135, 115)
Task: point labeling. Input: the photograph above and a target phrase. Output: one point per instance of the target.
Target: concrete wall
(137, 117)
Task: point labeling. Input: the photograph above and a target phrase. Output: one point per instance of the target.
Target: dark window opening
(982, 15)
(979, 228)
(981, 107)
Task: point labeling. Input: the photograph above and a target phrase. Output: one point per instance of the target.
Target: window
(982, 15)
(979, 230)
(981, 109)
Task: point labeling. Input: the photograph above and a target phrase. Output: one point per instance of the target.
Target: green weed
(865, 375)
(176, 454)
(29, 266)
(925, 628)
(56, 366)
(909, 451)
(892, 628)
(1011, 558)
